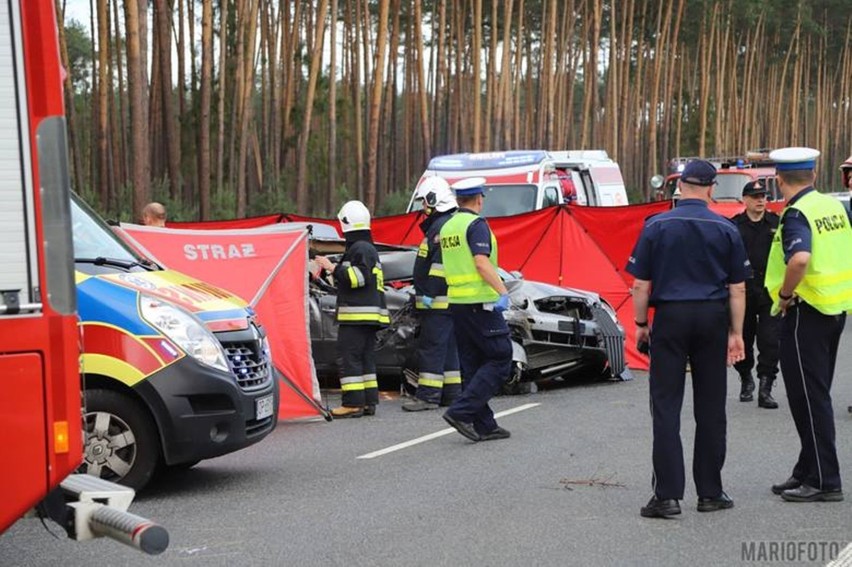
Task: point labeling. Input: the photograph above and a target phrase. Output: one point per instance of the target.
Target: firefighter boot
(418, 405)
(344, 412)
(764, 394)
(747, 387)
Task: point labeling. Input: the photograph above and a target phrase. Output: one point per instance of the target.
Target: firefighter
(477, 299)
(757, 226)
(809, 277)
(439, 379)
(361, 311)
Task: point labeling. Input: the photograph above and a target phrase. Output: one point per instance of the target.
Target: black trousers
(761, 325)
(356, 346)
(485, 354)
(438, 358)
(696, 332)
(809, 342)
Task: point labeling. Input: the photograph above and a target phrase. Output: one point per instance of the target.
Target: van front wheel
(121, 440)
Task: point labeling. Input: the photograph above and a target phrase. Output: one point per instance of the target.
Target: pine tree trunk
(137, 91)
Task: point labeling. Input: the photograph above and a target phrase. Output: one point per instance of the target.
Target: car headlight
(608, 308)
(185, 330)
(267, 352)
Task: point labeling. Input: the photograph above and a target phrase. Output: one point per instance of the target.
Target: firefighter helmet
(436, 194)
(354, 216)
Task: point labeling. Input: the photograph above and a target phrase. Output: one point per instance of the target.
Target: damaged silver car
(556, 331)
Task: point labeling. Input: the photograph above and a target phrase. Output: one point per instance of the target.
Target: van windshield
(506, 200)
(93, 238)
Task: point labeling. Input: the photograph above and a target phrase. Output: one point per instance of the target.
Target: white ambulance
(521, 181)
(596, 178)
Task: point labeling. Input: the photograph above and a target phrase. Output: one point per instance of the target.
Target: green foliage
(79, 46)
(394, 203)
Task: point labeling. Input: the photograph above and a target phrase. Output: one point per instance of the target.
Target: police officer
(439, 380)
(757, 226)
(697, 264)
(846, 173)
(846, 176)
(809, 277)
(361, 311)
(477, 299)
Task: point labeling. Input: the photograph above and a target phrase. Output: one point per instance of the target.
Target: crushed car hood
(539, 290)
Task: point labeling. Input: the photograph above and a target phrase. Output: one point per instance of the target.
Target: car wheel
(122, 444)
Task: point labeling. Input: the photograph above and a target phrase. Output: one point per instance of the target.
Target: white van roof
(487, 160)
(580, 156)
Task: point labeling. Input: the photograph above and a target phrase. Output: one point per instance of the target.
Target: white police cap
(469, 186)
(790, 159)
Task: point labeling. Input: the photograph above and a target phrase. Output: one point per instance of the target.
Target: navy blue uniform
(690, 255)
(439, 379)
(809, 343)
(758, 323)
(484, 347)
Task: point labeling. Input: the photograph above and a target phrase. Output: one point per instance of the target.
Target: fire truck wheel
(121, 440)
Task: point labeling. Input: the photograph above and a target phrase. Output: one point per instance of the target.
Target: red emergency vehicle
(732, 173)
(41, 428)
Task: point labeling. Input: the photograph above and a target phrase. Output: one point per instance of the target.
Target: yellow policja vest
(827, 285)
(465, 285)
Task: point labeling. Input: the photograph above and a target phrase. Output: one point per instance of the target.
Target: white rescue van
(517, 181)
(596, 178)
(520, 181)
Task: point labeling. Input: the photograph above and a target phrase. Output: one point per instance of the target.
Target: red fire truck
(41, 428)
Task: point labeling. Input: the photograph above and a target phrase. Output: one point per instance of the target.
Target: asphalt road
(564, 490)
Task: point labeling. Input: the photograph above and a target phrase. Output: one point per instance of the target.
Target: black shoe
(805, 493)
(418, 405)
(496, 433)
(370, 410)
(721, 502)
(788, 484)
(764, 394)
(747, 387)
(463, 427)
(656, 508)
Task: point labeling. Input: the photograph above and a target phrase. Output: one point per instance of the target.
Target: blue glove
(502, 304)
(427, 302)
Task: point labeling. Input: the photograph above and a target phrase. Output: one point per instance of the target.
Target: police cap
(753, 188)
(794, 159)
(699, 172)
(469, 186)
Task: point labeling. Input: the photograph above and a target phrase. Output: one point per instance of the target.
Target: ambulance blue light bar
(487, 160)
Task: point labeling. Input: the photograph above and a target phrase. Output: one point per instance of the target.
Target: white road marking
(437, 434)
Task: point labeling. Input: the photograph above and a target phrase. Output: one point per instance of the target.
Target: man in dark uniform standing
(697, 264)
(809, 277)
(361, 311)
(477, 299)
(757, 226)
(439, 379)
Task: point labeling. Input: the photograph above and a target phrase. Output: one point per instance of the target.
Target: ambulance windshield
(93, 239)
(506, 200)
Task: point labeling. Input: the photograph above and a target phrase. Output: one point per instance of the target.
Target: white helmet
(354, 216)
(436, 194)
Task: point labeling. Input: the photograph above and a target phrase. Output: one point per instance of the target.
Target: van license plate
(263, 407)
